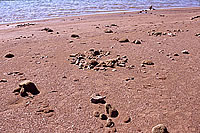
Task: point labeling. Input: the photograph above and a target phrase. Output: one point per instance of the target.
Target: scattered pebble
(160, 128)
(3, 80)
(137, 42)
(97, 98)
(108, 31)
(185, 52)
(75, 36)
(127, 119)
(103, 117)
(110, 123)
(123, 40)
(9, 55)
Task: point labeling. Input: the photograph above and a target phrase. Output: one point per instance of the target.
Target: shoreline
(100, 13)
(146, 66)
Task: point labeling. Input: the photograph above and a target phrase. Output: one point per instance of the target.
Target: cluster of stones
(92, 59)
(24, 25)
(110, 112)
(169, 33)
(26, 88)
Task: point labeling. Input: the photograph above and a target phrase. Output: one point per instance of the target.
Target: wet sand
(166, 91)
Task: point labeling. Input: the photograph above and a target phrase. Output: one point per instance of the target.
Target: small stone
(9, 55)
(47, 29)
(185, 52)
(28, 86)
(114, 70)
(3, 80)
(96, 114)
(123, 40)
(198, 34)
(137, 42)
(108, 31)
(72, 55)
(48, 110)
(103, 117)
(113, 113)
(108, 108)
(148, 62)
(110, 123)
(127, 119)
(121, 65)
(159, 129)
(96, 98)
(75, 36)
(175, 54)
(113, 25)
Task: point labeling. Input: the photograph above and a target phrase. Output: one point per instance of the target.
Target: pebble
(160, 128)
(148, 62)
(47, 29)
(75, 36)
(108, 31)
(114, 70)
(175, 54)
(185, 52)
(123, 40)
(103, 117)
(113, 113)
(9, 55)
(110, 123)
(198, 34)
(127, 119)
(137, 42)
(113, 25)
(96, 98)
(3, 80)
(96, 114)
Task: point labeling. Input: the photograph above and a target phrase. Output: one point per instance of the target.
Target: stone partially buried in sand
(108, 31)
(9, 55)
(96, 98)
(148, 62)
(123, 40)
(160, 128)
(26, 87)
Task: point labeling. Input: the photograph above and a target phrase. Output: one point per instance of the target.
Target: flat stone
(75, 36)
(96, 98)
(148, 62)
(123, 40)
(3, 80)
(185, 52)
(160, 128)
(47, 29)
(9, 55)
(72, 55)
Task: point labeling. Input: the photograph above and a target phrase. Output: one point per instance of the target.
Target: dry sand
(164, 93)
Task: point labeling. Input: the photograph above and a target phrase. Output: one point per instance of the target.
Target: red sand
(164, 93)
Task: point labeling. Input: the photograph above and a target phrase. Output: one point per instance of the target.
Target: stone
(72, 55)
(96, 114)
(75, 36)
(197, 34)
(113, 25)
(148, 62)
(127, 119)
(27, 86)
(108, 108)
(160, 128)
(113, 113)
(110, 123)
(9, 55)
(175, 54)
(108, 31)
(185, 52)
(137, 42)
(123, 40)
(114, 70)
(47, 29)
(103, 117)
(3, 80)
(96, 98)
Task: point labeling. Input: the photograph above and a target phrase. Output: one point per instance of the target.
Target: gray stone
(160, 128)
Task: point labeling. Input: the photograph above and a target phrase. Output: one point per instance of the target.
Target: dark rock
(113, 25)
(113, 113)
(47, 29)
(185, 52)
(127, 119)
(108, 108)
(148, 62)
(159, 129)
(108, 31)
(175, 54)
(110, 123)
(3, 80)
(75, 36)
(103, 117)
(96, 98)
(137, 42)
(96, 114)
(9, 55)
(123, 40)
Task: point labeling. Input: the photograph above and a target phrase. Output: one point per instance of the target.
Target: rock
(110, 123)
(185, 52)
(198, 34)
(3, 80)
(113, 25)
(123, 40)
(175, 54)
(96, 98)
(27, 86)
(148, 62)
(103, 117)
(75, 36)
(9, 55)
(121, 65)
(114, 70)
(108, 108)
(108, 31)
(127, 119)
(96, 114)
(137, 42)
(109, 63)
(72, 55)
(47, 29)
(113, 113)
(159, 129)
(93, 62)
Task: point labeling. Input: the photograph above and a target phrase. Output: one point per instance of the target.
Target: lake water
(21, 10)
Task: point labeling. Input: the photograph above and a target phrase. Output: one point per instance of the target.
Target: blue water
(21, 10)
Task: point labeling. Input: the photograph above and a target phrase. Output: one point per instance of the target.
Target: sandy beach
(146, 64)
